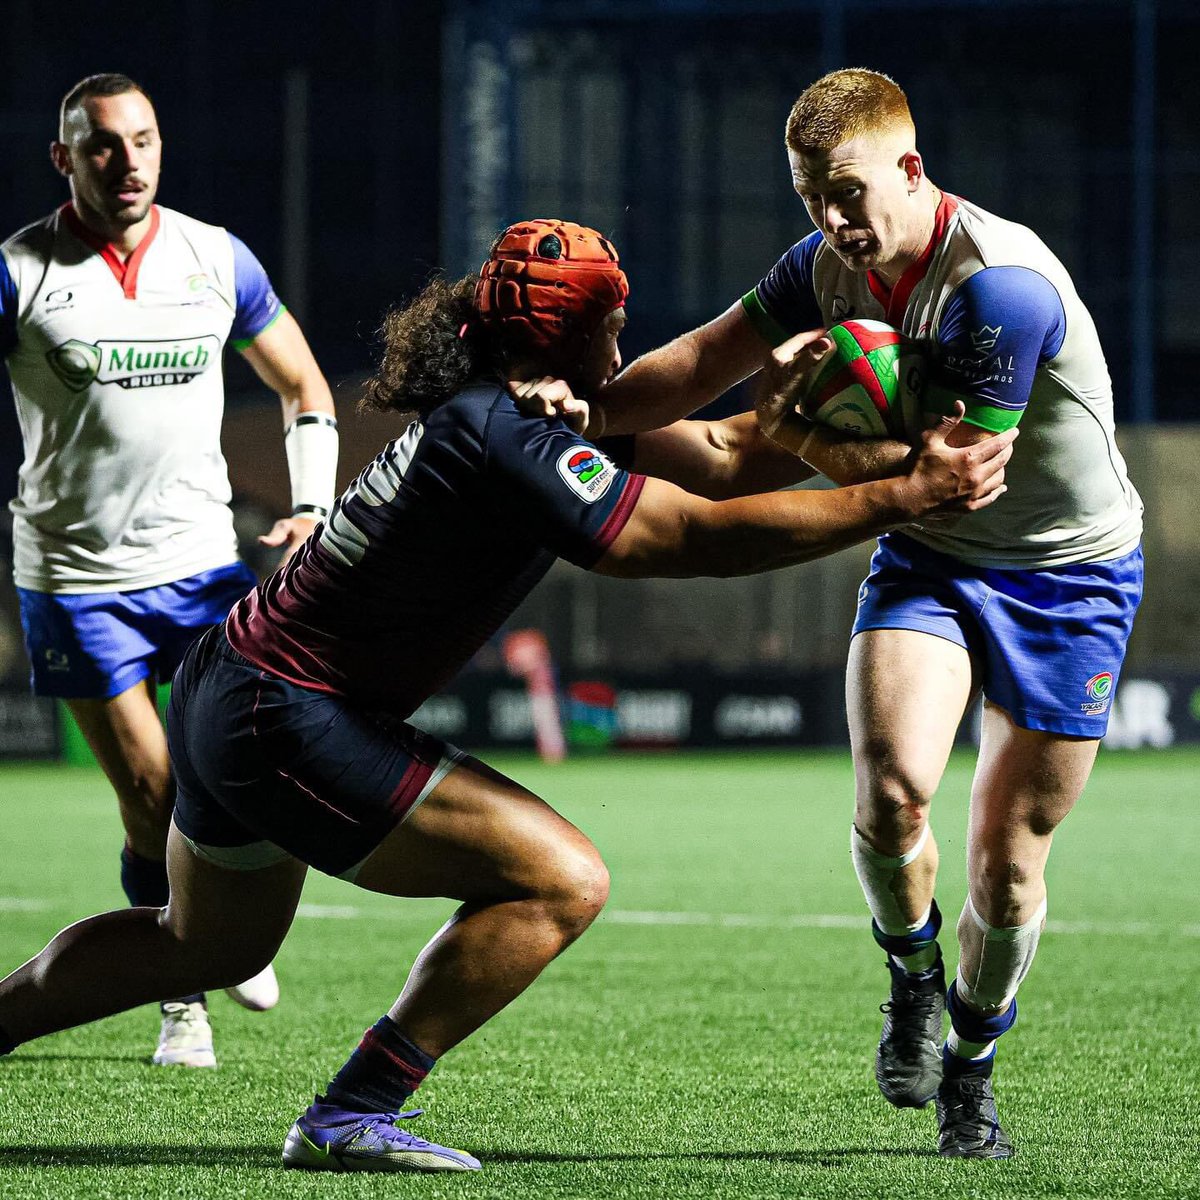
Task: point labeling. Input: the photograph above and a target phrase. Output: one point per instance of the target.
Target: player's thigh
(906, 692)
(234, 917)
(478, 836)
(1026, 782)
(126, 735)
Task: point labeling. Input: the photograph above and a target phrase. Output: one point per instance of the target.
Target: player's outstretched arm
(718, 459)
(282, 359)
(672, 533)
(669, 383)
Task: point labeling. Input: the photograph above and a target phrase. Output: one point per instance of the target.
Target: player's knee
(892, 808)
(213, 962)
(575, 890)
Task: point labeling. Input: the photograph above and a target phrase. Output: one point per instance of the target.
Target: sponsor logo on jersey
(843, 310)
(1099, 692)
(586, 472)
(59, 298)
(984, 341)
(133, 364)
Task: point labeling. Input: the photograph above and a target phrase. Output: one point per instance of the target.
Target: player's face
(112, 155)
(603, 358)
(862, 196)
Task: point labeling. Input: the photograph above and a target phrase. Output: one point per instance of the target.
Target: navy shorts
(265, 768)
(93, 645)
(1049, 642)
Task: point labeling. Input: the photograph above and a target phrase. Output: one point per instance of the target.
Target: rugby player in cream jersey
(1030, 600)
(114, 313)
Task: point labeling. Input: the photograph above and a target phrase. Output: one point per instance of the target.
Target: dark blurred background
(360, 146)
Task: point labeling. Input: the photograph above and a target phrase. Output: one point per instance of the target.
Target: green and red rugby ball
(868, 384)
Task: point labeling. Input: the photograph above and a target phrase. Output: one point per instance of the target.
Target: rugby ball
(868, 384)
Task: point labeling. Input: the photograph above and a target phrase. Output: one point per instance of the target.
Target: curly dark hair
(431, 347)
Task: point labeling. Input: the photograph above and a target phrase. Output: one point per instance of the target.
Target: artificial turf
(711, 1035)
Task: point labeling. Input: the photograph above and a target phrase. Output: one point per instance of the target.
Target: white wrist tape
(311, 445)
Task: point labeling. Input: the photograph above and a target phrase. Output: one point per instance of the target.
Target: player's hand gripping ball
(869, 383)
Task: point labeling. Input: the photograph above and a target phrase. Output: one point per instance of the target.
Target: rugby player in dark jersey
(287, 725)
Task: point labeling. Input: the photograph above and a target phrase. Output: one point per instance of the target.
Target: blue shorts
(265, 768)
(1048, 643)
(92, 645)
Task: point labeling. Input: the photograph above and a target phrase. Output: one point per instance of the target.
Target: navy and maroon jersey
(430, 549)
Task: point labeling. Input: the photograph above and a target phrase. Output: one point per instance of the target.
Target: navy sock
(144, 882)
(905, 945)
(7, 1045)
(382, 1073)
(974, 1027)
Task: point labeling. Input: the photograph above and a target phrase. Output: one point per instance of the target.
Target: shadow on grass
(268, 1157)
(258, 1157)
(14, 1064)
(826, 1158)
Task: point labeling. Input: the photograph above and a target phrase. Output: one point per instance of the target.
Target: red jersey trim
(895, 300)
(620, 514)
(125, 271)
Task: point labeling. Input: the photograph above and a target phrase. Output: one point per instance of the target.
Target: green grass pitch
(711, 1035)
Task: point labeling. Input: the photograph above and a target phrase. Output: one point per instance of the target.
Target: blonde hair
(844, 105)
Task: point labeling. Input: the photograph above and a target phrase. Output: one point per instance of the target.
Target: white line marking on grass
(716, 920)
(619, 916)
(330, 912)
(21, 904)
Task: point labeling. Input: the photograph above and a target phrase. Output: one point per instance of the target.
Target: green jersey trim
(986, 416)
(767, 327)
(242, 343)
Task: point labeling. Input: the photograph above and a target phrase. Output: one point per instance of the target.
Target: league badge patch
(1099, 692)
(586, 472)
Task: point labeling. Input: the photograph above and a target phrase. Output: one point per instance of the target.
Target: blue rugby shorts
(1049, 642)
(92, 645)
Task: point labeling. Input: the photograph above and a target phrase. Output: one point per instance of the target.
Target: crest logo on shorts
(57, 660)
(1099, 692)
(586, 472)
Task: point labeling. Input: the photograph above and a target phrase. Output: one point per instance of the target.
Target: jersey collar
(895, 299)
(125, 270)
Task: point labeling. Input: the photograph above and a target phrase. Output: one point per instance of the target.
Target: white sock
(877, 876)
(992, 962)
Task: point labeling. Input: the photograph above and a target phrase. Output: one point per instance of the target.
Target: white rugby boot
(186, 1037)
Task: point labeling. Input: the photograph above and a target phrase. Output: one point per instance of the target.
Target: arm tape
(311, 445)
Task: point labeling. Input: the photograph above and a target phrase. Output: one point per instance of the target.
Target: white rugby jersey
(116, 373)
(1008, 334)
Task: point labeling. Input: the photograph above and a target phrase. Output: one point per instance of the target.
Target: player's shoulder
(35, 239)
(472, 407)
(206, 239)
(999, 242)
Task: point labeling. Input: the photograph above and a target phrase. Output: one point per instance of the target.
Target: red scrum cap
(548, 285)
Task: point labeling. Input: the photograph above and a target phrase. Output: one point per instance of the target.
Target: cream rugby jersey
(116, 373)
(1008, 334)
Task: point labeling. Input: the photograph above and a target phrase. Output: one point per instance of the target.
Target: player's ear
(60, 157)
(914, 169)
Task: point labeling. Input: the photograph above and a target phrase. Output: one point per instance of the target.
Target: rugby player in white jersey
(288, 725)
(114, 313)
(1031, 600)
